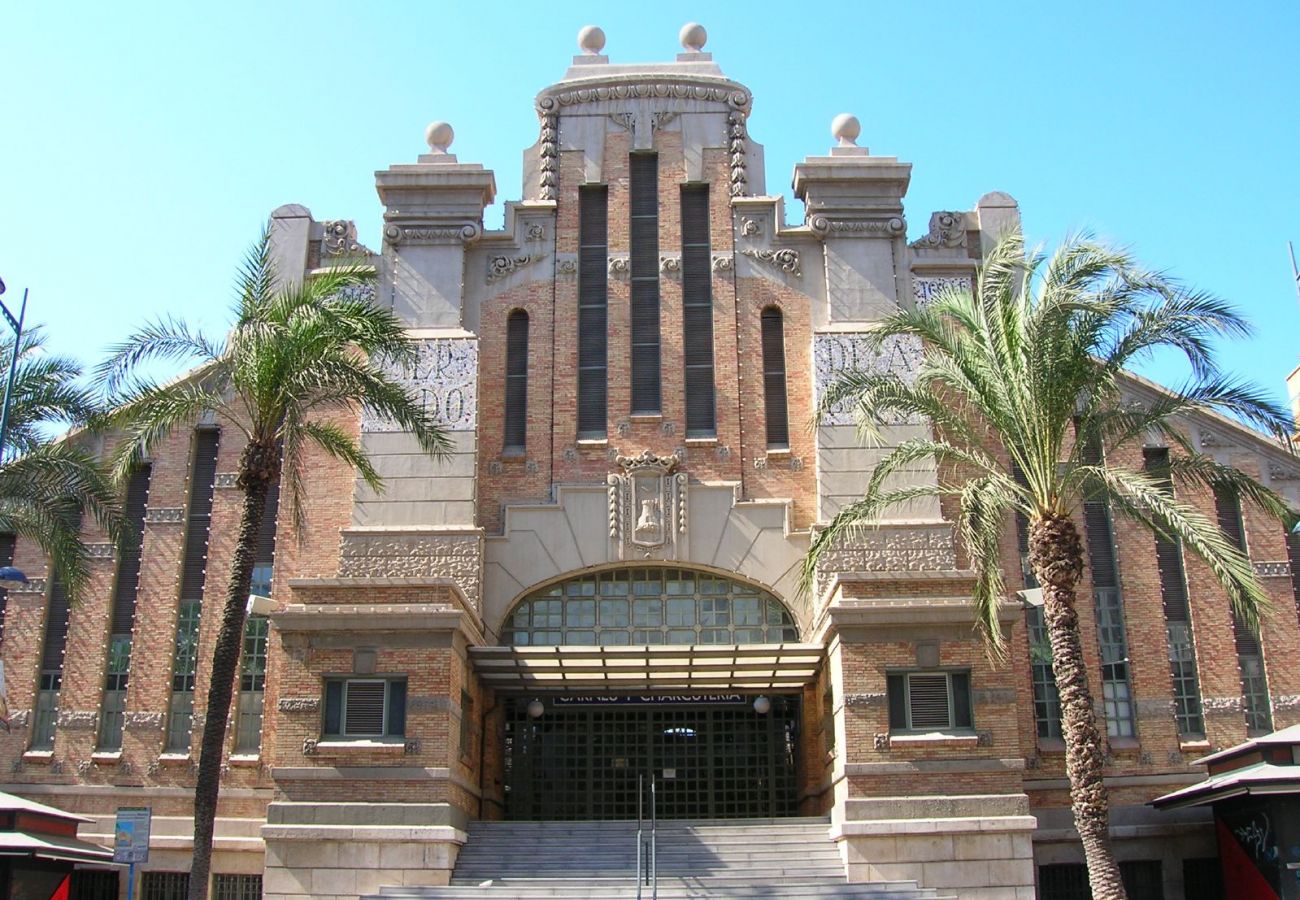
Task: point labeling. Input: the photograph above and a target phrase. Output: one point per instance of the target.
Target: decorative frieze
(18, 718)
(870, 700)
(141, 721)
(925, 288)
(838, 352)
(30, 586)
(625, 120)
(1273, 569)
(736, 146)
(444, 377)
(415, 555)
(947, 231)
(1286, 702)
(227, 480)
(783, 258)
(892, 548)
(100, 551)
(458, 233)
(665, 89)
(78, 719)
(548, 149)
(499, 267)
(1278, 472)
(822, 226)
(1223, 704)
(299, 704)
(164, 515)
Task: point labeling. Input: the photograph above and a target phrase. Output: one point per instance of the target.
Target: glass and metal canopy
(640, 606)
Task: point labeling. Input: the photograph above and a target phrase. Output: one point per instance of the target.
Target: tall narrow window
(203, 475)
(697, 311)
(1116, 688)
(1292, 553)
(1047, 699)
(56, 641)
(593, 249)
(774, 398)
(643, 238)
(1250, 656)
(516, 381)
(123, 619)
(1178, 618)
(252, 664)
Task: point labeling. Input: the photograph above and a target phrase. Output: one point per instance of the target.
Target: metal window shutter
(364, 707)
(928, 701)
(774, 396)
(1169, 554)
(1227, 509)
(516, 379)
(697, 312)
(643, 241)
(1101, 544)
(1293, 554)
(127, 582)
(56, 627)
(265, 552)
(203, 476)
(593, 251)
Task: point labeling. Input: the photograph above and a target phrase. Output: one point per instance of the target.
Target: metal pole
(13, 369)
(654, 843)
(130, 881)
(1295, 272)
(640, 787)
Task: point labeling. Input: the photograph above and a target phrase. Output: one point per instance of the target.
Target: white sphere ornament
(535, 709)
(845, 128)
(439, 136)
(591, 40)
(693, 36)
(762, 705)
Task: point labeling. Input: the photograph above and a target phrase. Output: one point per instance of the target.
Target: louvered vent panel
(775, 404)
(643, 238)
(697, 312)
(593, 241)
(1293, 554)
(928, 701)
(1101, 545)
(1169, 554)
(365, 707)
(270, 521)
(516, 379)
(7, 542)
(1227, 508)
(56, 627)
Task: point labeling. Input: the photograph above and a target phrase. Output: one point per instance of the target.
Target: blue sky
(145, 143)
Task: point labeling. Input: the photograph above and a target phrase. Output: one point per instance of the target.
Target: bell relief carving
(647, 507)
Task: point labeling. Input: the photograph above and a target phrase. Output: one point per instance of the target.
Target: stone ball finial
(591, 40)
(845, 128)
(439, 136)
(693, 37)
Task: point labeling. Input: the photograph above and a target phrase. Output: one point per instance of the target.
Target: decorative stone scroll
(947, 230)
(837, 352)
(444, 377)
(784, 258)
(647, 507)
(821, 226)
(566, 265)
(459, 233)
(340, 238)
(724, 262)
(620, 266)
(671, 265)
(499, 267)
(925, 288)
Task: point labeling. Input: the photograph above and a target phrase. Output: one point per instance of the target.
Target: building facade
(601, 580)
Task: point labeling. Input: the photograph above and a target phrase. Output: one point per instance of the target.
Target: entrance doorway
(711, 757)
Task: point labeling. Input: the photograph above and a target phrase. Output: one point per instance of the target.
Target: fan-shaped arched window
(649, 606)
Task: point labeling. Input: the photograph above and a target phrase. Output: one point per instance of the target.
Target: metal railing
(647, 874)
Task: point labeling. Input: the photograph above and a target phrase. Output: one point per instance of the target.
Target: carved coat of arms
(647, 507)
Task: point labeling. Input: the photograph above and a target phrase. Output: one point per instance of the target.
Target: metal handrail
(646, 860)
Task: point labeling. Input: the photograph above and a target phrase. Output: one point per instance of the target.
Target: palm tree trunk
(257, 468)
(1056, 554)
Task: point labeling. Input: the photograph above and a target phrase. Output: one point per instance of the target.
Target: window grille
(775, 409)
(93, 884)
(929, 701)
(697, 312)
(252, 686)
(237, 887)
(1202, 878)
(1178, 621)
(1047, 700)
(164, 885)
(516, 423)
(593, 276)
(51, 678)
(1063, 881)
(1143, 879)
(649, 606)
(643, 239)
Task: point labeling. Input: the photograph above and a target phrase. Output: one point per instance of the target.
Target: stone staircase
(711, 859)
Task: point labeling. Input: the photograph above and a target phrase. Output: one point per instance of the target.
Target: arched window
(649, 606)
(516, 380)
(778, 419)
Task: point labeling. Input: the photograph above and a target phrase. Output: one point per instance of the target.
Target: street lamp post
(9, 573)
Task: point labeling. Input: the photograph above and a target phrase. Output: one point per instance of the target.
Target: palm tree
(47, 487)
(296, 354)
(1019, 379)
